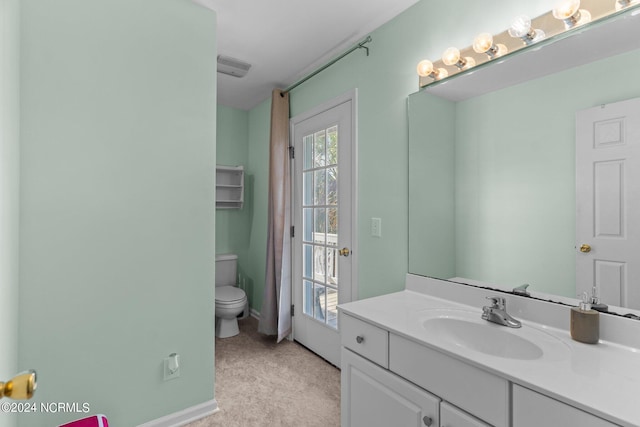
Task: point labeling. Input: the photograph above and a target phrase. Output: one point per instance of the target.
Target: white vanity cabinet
(450, 416)
(477, 392)
(531, 409)
(373, 395)
(390, 380)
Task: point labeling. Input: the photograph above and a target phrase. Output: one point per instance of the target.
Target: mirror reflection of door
(608, 202)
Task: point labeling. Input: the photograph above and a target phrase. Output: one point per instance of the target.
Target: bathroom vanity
(425, 357)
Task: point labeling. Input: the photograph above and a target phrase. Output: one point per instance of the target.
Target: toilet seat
(230, 295)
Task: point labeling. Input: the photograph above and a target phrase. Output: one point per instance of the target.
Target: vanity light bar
(565, 16)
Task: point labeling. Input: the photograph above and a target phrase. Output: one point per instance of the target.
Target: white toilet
(231, 301)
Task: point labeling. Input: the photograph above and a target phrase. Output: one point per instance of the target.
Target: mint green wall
(515, 157)
(432, 124)
(233, 226)
(117, 230)
(258, 167)
(384, 80)
(9, 191)
(232, 142)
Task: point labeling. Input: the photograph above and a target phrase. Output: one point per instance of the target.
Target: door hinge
(293, 310)
(293, 231)
(292, 152)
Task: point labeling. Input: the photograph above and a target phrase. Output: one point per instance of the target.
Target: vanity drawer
(365, 339)
(476, 391)
(533, 409)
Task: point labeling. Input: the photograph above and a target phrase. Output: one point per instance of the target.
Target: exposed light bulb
(566, 9)
(569, 11)
(442, 73)
(425, 68)
(483, 43)
(521, 28)
(451, 56)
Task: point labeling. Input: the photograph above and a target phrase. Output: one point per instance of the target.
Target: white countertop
(602, 379)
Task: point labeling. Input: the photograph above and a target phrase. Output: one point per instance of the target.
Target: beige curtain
(275, 314)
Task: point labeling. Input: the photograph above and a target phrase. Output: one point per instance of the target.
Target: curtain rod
(360, 45)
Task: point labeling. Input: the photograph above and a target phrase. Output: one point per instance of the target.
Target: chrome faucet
(497, 313)
(522, 290)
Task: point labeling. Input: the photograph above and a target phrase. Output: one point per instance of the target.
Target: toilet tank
(226, 269)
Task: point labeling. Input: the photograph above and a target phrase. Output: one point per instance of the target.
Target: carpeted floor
(261, 383)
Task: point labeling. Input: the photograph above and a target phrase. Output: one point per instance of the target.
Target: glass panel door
(323, 206)
(320, 225)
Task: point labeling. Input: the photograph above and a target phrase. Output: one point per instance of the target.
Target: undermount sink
(466, 329)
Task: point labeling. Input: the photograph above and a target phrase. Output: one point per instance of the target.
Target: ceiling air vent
(232, 66)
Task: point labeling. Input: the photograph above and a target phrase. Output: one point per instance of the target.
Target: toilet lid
(229, 294)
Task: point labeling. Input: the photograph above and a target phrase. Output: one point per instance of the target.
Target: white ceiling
(284, 40)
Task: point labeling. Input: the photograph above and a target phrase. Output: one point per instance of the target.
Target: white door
(323, 252)
(608, 202)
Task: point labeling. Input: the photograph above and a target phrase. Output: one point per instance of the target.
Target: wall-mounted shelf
(229, 187)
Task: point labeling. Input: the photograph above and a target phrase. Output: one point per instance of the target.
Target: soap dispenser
(585, 322)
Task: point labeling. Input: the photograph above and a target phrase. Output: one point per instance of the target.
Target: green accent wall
(9, 191)
(384, 79)
(258, 165)
(432, 124)
(233, 226)
(118, 141)
(515, 174)
(514, 171)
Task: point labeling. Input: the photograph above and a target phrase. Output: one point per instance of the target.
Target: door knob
(585, 248)
(344, 251)
(20, 387)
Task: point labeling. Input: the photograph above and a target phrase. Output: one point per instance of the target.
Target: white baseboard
(185, 416)
(255, 313)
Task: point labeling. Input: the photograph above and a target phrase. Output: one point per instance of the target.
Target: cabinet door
(478, 392)
(372, 396)
(531, 409)
(450, 416)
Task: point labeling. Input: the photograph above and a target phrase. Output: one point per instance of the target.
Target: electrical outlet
(376, 227)
(171, 367)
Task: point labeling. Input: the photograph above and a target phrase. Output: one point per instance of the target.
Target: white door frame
(352, 96)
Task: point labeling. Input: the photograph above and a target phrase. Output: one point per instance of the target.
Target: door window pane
(332, 186)
(307, 256)
(332, 266)
(319, 149)
(320, 187)
(307, 188)
(332, 227)
(307, 226)
(307, 143)
(332, 145)
(320, 225)
(320, 304)
(332, 308)
(319, 260)
(307, 298)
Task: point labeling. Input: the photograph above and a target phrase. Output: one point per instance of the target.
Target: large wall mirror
(492, 176)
